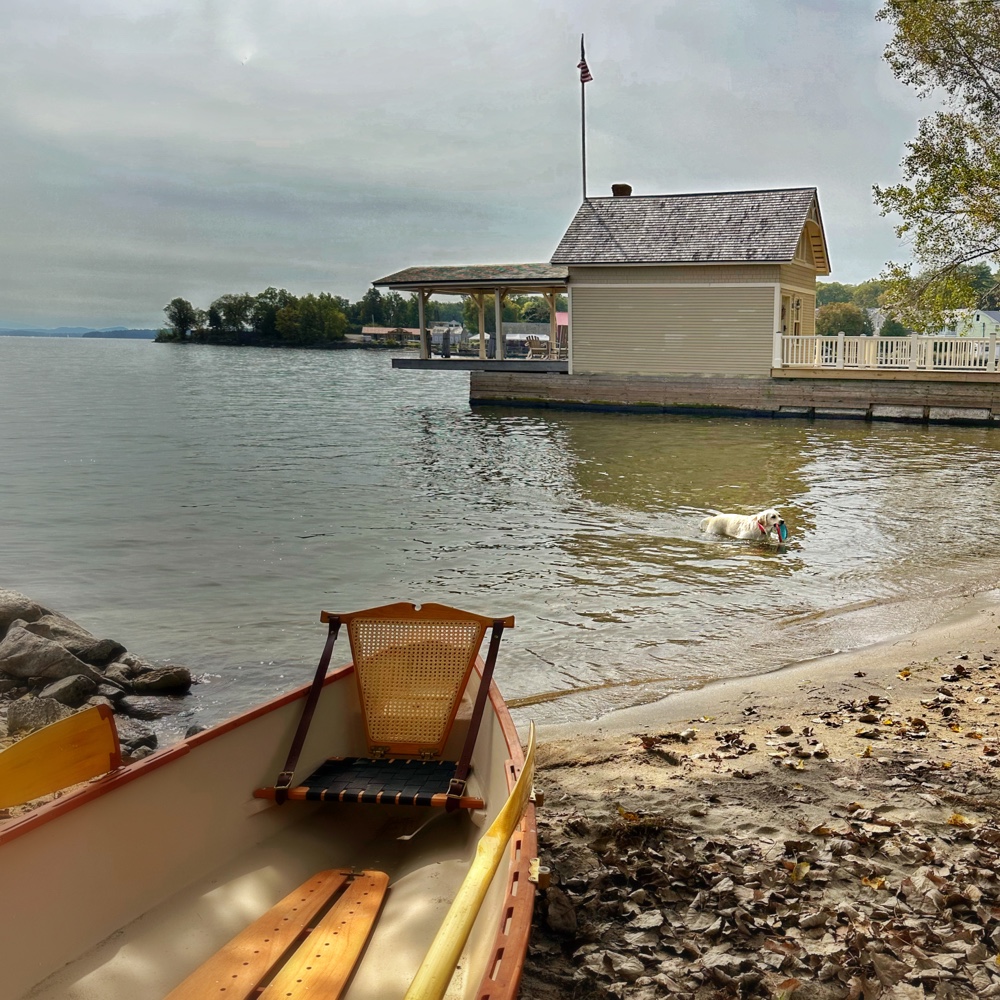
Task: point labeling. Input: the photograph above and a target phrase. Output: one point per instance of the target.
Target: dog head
(770, 521)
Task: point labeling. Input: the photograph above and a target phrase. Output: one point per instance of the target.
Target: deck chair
(412, 664)
(538, 349)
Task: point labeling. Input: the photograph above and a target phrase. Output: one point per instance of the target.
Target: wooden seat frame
(399, 624)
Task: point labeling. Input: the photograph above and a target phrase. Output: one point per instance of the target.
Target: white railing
(898, 353)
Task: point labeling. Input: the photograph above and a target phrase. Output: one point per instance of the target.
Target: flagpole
(583, 119)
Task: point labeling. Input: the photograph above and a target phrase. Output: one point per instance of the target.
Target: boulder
(163, 680)
(145, 706)
(28, 714)
(14, 606)
(72, 691)
(76, 639)
(132, 736)
(24, 654)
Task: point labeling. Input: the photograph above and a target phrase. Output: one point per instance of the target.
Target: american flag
(585, 76)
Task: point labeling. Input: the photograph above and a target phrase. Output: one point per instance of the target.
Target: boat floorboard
(150, 956)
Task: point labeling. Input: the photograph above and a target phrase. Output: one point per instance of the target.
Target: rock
(193, 730)
(170, 679)
(14, 606)
(132, 736)
(29, 714)
(119, 674)
(72, 691)
(25, 655)
(76, 639)
(146, 707)
(97, 700)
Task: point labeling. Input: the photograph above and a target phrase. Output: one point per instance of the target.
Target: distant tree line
(276, 317)
(844, 308)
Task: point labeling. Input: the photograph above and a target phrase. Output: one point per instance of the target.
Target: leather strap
(456, 788)
(284, 781)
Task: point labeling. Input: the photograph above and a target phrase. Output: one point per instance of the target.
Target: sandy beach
(827, 830)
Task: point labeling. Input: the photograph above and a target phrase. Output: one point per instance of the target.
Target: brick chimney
(621, 190)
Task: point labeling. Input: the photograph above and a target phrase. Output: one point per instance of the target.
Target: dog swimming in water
(766, 526)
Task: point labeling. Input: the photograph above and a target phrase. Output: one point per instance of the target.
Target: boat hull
(120, 889)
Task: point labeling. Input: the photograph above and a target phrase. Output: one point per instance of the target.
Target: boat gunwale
(98, 787)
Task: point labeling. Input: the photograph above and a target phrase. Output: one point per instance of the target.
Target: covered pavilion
(477, 281)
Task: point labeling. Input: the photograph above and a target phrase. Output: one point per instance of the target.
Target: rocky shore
(830, 830)
(51, 667)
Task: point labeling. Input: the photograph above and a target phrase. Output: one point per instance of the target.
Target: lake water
(202, 505)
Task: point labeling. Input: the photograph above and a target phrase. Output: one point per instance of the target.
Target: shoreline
(830, 829)
(958, 625)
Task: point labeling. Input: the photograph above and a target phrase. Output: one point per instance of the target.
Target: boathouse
(705, 303)
(691, 284)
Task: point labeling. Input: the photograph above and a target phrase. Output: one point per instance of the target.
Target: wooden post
(424, 346)
(498, 310)
(480, 298)
(992, 366)
(550, 297)
(840, 349)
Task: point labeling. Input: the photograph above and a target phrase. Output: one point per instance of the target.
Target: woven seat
(412, 664)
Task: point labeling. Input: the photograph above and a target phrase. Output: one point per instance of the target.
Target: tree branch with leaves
(949, 202)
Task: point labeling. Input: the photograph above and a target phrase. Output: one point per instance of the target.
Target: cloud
(156, 149)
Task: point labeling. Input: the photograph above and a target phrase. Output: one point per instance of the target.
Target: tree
(182, 317)
(372, 311)
(893, 328)
(842, 317)
(949, 202)
(832, 291)
(868, 294)
(470, 312)
(233, 312)
(535, 310)
(264, 311)
(312, 320)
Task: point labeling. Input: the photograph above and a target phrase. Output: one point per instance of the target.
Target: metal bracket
(539, 873)
(537, 796)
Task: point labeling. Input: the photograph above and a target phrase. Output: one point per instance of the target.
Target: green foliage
(893, 328)
(313, 320)
(182, 317)
(868, 294)
(832, 291)
(842, 317)
(949, 202)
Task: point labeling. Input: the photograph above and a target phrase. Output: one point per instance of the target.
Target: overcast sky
(161, 148)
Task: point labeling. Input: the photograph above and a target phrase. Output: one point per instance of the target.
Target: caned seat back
(412, 664)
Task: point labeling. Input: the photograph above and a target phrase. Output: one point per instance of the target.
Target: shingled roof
(477, 275)
(723, 227)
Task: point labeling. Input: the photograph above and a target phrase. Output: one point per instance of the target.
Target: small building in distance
(691, 284)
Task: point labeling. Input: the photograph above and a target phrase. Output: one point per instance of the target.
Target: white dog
(767, 526)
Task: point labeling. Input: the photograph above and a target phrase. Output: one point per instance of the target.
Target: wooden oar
(62, 754)
(438, 966)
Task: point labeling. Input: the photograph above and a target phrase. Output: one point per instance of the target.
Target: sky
(151, 149)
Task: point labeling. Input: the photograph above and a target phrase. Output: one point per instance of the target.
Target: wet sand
(831, 829)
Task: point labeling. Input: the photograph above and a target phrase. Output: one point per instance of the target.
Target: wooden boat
(181, 876)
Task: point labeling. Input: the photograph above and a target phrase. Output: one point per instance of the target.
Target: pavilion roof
(472, 276)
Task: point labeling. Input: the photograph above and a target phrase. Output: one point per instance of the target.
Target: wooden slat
(435, 972)
(64, 753)
(235, 970)
(324, 963)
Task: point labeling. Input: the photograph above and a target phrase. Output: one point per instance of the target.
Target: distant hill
(79, 331)
(123, 334)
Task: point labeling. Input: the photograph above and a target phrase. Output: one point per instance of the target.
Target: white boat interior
(120, 889)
